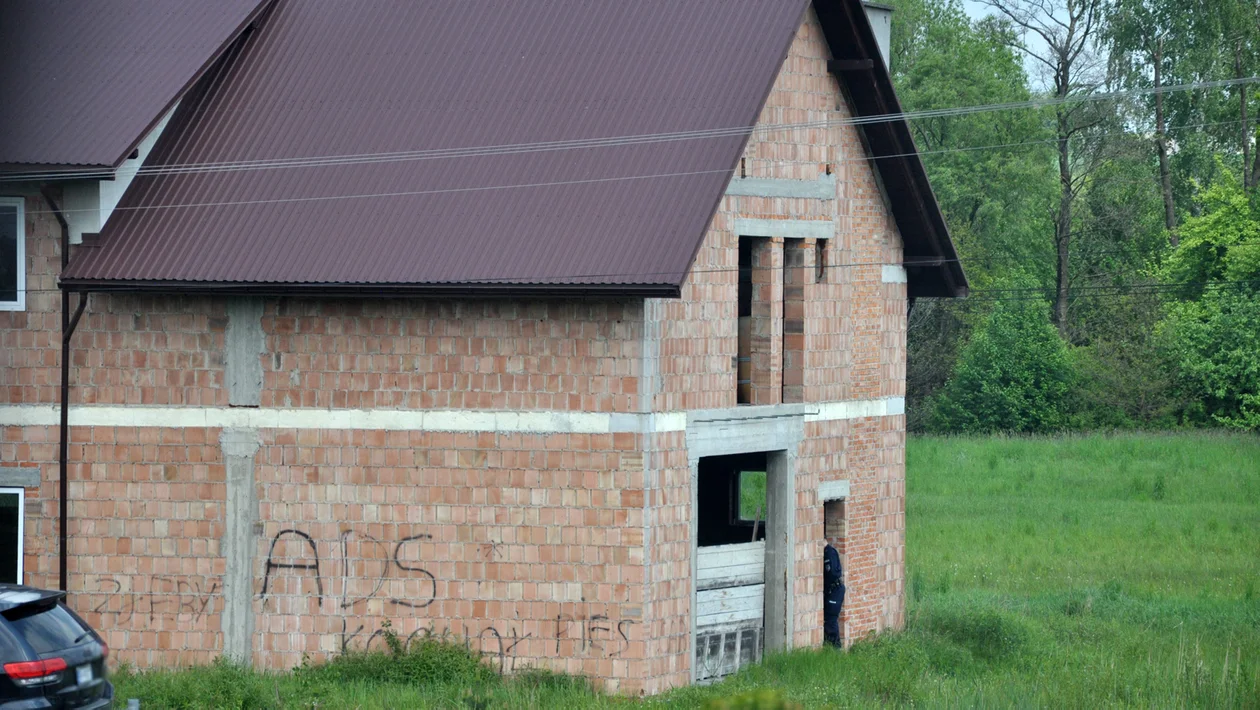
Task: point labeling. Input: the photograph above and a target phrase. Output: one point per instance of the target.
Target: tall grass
(1099, 571)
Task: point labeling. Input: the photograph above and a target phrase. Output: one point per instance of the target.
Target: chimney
(880, 17)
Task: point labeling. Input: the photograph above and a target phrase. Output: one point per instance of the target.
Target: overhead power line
(1030, 293)
(615, 141)
(483, 188)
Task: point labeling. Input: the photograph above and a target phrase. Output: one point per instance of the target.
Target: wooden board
(730, 599)
(720, 566)
(730, 608)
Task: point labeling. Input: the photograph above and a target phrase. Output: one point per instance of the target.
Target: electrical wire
(1030, 293)
(617, 141)
(440, 191)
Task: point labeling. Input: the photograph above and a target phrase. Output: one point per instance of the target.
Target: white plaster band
(403, 420)
(822, 188)
(858, 409)
(786, 228)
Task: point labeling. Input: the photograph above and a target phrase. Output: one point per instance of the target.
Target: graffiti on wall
(372, 588)
(365, 567)
(166, 594)
(598, 633)
(375, 585)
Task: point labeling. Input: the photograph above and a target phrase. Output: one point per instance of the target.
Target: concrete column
(780, 548)
(239, 543)
(244, 343)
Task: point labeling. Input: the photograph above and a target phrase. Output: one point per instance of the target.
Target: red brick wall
(451, 354)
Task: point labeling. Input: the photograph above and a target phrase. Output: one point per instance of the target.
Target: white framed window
(12, 254)
(12, 529)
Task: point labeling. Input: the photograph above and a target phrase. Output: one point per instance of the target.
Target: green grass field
(1101, 571)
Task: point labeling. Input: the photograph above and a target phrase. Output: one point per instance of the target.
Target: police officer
(833, 594)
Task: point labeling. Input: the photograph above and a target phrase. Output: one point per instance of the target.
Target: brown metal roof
(82, 82)
(370, 78)
(361, 77)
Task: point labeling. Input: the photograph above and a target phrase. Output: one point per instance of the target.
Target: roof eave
(869, 85)
(367, 290)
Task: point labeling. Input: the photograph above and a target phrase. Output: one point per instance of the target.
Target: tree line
(1111, 237)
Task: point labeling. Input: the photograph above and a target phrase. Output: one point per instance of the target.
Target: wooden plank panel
(720, 577)
(727, 555)
(729, 617)
(715, 601)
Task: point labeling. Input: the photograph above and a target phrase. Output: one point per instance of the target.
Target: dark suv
(50, 657)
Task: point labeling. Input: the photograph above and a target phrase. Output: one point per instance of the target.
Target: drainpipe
(68, 324)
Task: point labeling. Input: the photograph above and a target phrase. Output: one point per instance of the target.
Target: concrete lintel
(821, 188)
(244, 343)
(894, 274)
(786, 228)
(19, 477)
(833, 490)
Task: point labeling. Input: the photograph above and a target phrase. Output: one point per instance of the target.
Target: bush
(1014, 375)
(423, 661)
(1215, 342)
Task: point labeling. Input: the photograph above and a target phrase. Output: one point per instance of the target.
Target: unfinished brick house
(568, 330)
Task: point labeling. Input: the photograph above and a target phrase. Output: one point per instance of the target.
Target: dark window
(12, 257)
(820, 261)
(743, 359)
(47, 628)
(11, 536)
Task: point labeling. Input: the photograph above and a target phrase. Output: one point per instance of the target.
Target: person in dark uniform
(833, 595)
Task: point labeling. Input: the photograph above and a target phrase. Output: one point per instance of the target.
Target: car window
(45, 628)
(10, 648)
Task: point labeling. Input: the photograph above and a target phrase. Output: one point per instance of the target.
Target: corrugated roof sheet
(81, 82)
(373, 76)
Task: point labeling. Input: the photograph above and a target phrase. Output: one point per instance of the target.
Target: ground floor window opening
(12, 515)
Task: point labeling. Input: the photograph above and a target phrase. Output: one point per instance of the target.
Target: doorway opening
(834, 531)
(732, 505)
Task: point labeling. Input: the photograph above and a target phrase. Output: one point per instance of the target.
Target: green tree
(1061, 36)
(1222, 244)
(1013, 375)
(1212, 327)
(1150, 41)
(988, 170)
